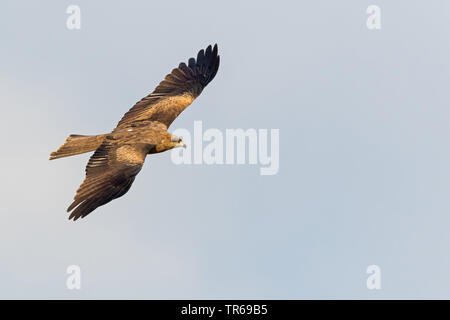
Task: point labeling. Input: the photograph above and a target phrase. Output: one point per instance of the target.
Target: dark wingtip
(206, 65)
(74, 216)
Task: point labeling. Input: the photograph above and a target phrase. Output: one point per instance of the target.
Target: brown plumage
(119, 155)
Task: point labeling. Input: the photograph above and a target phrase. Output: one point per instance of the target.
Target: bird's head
(176, 142)
(170, 141)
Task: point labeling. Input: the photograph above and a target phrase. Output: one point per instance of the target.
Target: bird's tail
(77, 144)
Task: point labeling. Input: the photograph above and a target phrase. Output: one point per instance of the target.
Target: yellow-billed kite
(119, 155)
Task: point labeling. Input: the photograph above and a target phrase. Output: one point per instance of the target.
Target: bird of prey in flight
(119, 155)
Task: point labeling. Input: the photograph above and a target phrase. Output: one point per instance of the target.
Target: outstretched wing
(109, 174)
(176, 91)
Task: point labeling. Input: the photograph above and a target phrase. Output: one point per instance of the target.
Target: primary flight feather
(119, 155)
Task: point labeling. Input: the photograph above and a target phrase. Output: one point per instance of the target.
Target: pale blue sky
(364, 150)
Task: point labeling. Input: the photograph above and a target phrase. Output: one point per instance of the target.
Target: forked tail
(77, 144)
